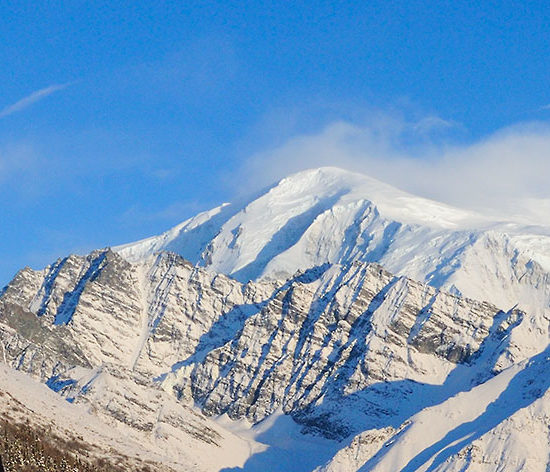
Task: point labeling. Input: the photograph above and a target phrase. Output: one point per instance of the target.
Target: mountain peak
(335, 330)
(270, 224)
(331, 215)
(390, 201)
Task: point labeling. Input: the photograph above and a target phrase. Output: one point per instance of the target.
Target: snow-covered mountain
(335, 216)
(324, 360)
(329, 215)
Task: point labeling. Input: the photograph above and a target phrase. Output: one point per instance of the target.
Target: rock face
(342, 349)
(388, 367)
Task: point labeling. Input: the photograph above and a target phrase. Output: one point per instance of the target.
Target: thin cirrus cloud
(31, 99)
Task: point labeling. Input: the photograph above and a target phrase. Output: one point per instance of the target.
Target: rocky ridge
(340, 348)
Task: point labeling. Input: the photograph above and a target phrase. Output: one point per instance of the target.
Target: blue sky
(120, 119)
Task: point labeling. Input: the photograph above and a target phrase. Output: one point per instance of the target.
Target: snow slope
(501, 424)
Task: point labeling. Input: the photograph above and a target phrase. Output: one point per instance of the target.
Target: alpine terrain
(330, 323)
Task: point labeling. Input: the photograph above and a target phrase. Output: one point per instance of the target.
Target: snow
(302, 197)
(500, 424)
(22, 399)
(145, 319)
(309, 218)
(329, 215)
(277, 445)
(173, 237)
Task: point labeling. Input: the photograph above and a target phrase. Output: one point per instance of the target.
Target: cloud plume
(504, 174)
(31, 99)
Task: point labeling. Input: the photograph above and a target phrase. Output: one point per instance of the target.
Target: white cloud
(31, 99)
(506, 173)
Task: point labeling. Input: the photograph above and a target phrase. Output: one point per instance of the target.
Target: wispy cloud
(433, 123)
(504, 174)
(175, 213)
(31, 99)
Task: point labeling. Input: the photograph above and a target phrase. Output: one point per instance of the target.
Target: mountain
(268, 336)
(329, 215)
